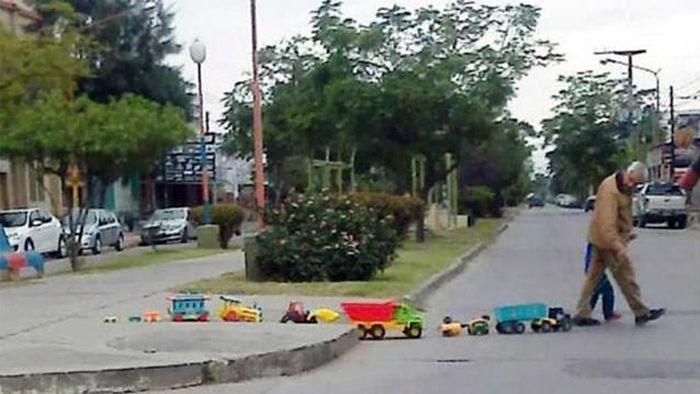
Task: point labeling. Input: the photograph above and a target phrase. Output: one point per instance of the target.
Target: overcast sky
(666, 29)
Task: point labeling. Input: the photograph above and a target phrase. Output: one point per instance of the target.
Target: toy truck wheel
(414, 331)
(285, 319)
(361, 332)
(519, 328)
(499, 328)
(566, 325)
(535, 326)
(377, 331)
(546, 327)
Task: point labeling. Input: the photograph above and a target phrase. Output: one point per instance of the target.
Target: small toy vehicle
(109, 319)
(188, 307)
(556, 321)
(151, 316)
(450, 328)
(374, 318)
(510, 319)
(234, 311)
(297, 314)
(13, 261)
(479, 326)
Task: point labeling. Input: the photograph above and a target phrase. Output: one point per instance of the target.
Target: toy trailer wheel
(519, 327)
(535, 326)
(286, 319)
(361, 332)
(499, 328)
(546, 327)
(414, 331)
(377, 331)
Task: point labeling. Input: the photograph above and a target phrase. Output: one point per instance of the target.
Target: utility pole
(257, 124)
(673, 138)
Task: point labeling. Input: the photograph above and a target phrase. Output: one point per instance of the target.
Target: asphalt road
(539, 258)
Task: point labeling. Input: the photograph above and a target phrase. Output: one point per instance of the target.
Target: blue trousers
(605, 290)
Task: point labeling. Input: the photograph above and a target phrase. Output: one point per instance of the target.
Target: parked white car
(34, 229)
(567, 201)
(170, 224)
(100, 228)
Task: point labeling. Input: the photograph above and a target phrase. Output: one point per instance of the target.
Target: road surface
(539, 258)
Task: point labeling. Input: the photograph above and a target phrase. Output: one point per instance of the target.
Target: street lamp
(654, 73)
(198, 53)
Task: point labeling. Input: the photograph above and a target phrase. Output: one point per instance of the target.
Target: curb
(278, 363)
(418, 296)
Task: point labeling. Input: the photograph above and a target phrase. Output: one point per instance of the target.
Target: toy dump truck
(373, 319)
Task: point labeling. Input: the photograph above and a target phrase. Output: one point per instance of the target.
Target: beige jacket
(612, 217)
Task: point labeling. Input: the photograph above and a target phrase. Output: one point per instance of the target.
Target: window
(13, 219)
(664, 190)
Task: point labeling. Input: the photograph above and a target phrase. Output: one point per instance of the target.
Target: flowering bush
(316, 238)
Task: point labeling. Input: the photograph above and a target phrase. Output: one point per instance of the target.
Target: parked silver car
(99, 228)
(170, 224)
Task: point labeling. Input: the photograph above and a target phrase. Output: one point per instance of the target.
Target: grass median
(414, 264)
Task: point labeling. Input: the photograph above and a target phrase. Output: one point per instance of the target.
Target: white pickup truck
(663, 202)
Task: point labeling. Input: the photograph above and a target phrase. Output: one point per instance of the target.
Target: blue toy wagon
(510, 319)
(188, 307)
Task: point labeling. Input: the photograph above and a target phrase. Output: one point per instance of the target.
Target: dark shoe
(585, 321)
(653, 314)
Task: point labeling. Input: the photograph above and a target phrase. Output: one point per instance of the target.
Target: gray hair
(640, 170)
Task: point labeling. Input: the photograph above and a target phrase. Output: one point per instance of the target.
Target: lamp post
(198, 53)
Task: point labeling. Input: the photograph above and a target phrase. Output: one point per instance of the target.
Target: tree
(41, 122)
(590, 141)
(427, 82)
(128, 41)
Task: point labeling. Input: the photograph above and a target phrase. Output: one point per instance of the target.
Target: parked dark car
(536, 201)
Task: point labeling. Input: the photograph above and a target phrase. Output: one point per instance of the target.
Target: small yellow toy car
(234, 311)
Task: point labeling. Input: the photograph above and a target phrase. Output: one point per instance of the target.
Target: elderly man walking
(609, 234)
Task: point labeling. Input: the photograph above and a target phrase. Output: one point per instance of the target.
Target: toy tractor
(556, 321)
(234, 311)
(297, 314)
(479, 326)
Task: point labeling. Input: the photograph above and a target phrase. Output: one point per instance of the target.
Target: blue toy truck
(188, 307)
(13, 261)
(511, 319)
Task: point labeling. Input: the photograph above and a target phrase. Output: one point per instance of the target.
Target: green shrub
(477, 200)
(321, 238)
(403, 210)
(227, 216)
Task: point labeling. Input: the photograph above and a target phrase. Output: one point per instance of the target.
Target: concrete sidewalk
(52, 337)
